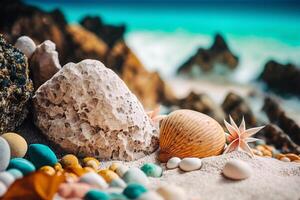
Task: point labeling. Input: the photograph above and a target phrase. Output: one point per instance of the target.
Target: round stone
(190, 164)
(16, 173)
(5, 154)
(135, 175)
(21, 164)
(173, 163)
(94, 179)
(237, 170)
(117, 196)
(121, 170)
(150, 195)
(6, 178)
(152, 170)
(48, 170)
(69, 160)
(96, 195)
(41, 155)
(26, 45)
(118, 182)
(134, 190)
(171, 192)
(17, 144)
(3, 189)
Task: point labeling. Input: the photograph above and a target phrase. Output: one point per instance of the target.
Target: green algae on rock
(15, 86)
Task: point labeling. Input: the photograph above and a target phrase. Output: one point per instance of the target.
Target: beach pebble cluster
(84, 178)
(186, 164)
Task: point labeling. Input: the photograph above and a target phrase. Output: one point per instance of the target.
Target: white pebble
(285, 159)
(94, 179)
(171, 192)
(7, 178)
(190, 164)
(173, 163)
(150, 195)
(237, 170)
(4, 154)
(26, 45)
(121, 170)
(135, 175)
(118, 182)
(3, 189)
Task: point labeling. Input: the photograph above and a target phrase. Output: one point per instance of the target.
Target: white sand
(271, 179)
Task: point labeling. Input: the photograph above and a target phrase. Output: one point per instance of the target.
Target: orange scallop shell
(187, 133)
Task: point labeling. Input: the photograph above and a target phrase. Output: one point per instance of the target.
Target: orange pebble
(267, 153)
(297, 161)
(279, 156)
(260, 148)
(292, 156)
(268, 147)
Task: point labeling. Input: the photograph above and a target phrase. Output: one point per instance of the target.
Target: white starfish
(239, 137)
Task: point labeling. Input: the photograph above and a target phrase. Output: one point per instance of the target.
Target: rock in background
(15, 86)
(89, 111)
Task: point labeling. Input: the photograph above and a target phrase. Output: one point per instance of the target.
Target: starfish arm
(156, 111)
(229, 138)
(149, 113)
(158, 118)
(251, 131)
(231, 129)
(251, 139)
(234, 124)
(242, 127)
(245, 147)
(232, 146)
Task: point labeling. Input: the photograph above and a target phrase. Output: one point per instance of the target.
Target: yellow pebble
(260, 148)
(69, 160)
(113, 167)
(71, 176)
(292, 156)
(108, 175)
(58, 167)
(89, 169)
(91, 162)
(257, 152)
(48, 170)
(268, 147)
(267, 153)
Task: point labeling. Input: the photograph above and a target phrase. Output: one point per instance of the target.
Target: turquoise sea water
(164, 35)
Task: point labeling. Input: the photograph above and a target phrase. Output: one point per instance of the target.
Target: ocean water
(164, 35)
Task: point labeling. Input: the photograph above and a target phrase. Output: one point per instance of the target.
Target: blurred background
(204, 55)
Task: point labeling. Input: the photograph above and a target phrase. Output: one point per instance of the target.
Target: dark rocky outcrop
(15, 86)
(201, 103)
(278, 116)
(110, 34)
(206, 59)
(238, 108)
(282, 78)
(274, 135)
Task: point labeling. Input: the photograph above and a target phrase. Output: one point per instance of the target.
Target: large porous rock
(44, 63)
(282, 78)
(201, 103)
(15, 86)
(238, 108)
(218, 54)
(278, 116)
(88, 110)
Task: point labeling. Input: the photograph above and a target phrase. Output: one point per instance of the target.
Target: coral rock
(207, 59)
(15, 87)
(44, 63)
(88, 110)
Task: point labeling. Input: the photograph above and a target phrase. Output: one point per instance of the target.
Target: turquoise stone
(96, 195)
(134, 191)
(16, 173)
(21, 164)
(116, 196)
(41, 155)
(151, 169)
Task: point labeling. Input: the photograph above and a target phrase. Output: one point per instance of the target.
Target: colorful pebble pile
(71, 178)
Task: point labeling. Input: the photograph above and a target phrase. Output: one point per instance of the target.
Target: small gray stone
(6, 178)
(3, 189)
(4, 155)
(135, 175)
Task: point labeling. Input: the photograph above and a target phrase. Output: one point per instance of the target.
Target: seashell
(237, 170)
(187, 133)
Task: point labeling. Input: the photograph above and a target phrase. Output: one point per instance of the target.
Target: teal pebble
(96, 195)
(41, 155)
(21, 164)
(151, 169)
(16, 173)
(134, 191)
(116, 196)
